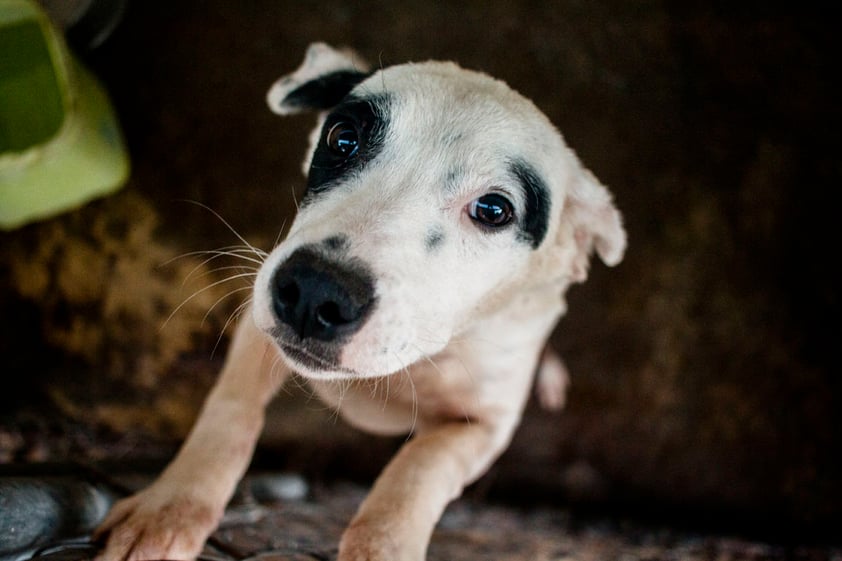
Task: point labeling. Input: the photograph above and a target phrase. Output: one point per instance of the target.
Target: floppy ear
(596, 224)
(325, 76)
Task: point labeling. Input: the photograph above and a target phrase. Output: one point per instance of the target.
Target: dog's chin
(311, 365)
(314, 365)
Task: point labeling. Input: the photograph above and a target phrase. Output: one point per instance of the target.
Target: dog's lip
(311, 362)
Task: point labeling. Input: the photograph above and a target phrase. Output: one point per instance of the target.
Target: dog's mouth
(311, 364)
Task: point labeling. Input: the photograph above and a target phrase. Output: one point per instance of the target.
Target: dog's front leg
(397, 519)
(172, 518)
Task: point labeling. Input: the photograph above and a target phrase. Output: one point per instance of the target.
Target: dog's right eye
(492, 210)
(343, 139)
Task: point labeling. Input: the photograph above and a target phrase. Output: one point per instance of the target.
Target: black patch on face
(535, 220)
(452, 179)
(369, 117)
(434, 238)
(451, 139)
(325, 91)
(336, 243)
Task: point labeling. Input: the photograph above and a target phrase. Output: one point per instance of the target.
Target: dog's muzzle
(319, 300)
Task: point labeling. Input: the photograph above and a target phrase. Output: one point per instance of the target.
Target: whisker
(238, 311)
(277, 367)
(243, 271)
(215, 254)
(474, 383)
(294, 378)
(388, 382)
(471, 378)
(236, 251)
(312, 396)
(199, 292)
(232, 317)
(240, 253)
(405, 372)
(224, 297)
(415, 407)
(283, 224)
(294, 198)
(226, 223)
(342, 389)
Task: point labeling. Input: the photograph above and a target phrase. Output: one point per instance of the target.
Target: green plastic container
(60, 141)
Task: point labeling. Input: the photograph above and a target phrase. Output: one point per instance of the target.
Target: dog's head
(435, 196)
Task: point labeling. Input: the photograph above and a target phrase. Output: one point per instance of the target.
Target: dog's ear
(596, 224)
(325, 76)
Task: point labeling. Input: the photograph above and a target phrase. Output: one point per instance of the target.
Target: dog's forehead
(436, 132)
(450, 104)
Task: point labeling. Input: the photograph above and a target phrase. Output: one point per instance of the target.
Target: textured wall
(705, 368)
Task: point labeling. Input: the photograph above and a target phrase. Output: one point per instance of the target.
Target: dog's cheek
(377, 351)
(261, 312)
(396, 335)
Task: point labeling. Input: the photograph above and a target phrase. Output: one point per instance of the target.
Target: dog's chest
(424, 395)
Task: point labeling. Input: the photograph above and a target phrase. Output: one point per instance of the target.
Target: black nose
(319, 298)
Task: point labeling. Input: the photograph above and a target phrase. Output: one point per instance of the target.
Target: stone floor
(471, 530)
(283, 517)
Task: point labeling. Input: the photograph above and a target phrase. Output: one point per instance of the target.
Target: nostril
(285, 299)
(329, 314)
(288, 293)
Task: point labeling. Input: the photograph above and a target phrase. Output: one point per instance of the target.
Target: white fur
(451, 348)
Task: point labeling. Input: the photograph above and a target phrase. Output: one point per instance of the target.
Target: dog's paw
(361, 542)
(552, 381)
(156, 524)
(365, 552)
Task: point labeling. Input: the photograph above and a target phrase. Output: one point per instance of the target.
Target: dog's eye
(492, 210)
(343, 139)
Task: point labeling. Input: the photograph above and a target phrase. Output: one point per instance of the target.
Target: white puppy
(443, 222)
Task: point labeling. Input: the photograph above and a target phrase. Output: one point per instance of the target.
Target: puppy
(443, 221)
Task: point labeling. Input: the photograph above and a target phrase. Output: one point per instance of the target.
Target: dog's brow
(377, 105)
(533, 226)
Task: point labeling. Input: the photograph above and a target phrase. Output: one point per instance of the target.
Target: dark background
(705, 367)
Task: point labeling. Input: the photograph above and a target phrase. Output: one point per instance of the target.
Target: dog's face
(434, 195)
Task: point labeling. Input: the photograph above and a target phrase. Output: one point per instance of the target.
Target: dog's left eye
(343, 139)
(493, 210)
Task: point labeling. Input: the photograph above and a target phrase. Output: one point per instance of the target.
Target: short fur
(445, 219)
